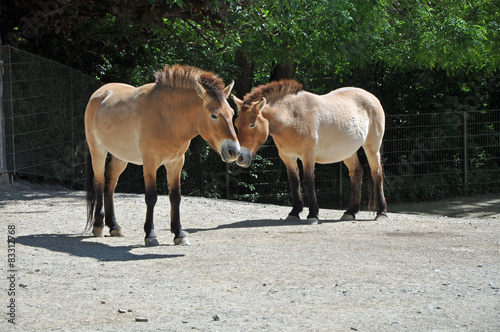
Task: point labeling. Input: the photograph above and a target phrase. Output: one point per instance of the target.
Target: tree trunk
(283, 71)
(244, 81)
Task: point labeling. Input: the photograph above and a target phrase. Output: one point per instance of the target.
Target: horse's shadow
(257, 223)
(75, 246)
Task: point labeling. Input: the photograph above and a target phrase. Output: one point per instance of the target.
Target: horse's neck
(278, 117)
(182, 106)
(292, 115)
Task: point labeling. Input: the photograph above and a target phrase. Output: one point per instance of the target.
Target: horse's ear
(227, 89)
(261, 104)
(237, 101)
(200, 90)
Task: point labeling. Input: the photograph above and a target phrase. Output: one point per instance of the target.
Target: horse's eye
(252, 125)
(213, 116)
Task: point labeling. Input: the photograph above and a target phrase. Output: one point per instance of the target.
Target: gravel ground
(249, 269)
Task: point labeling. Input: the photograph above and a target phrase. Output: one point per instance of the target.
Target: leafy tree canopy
(128, 39)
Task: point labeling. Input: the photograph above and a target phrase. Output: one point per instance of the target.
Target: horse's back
(113, 120)
(366, 103)
(113, 102)
(355, 103)
(355, 94)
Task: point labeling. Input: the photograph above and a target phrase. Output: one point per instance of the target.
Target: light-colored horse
(152, 125)
(315, 129)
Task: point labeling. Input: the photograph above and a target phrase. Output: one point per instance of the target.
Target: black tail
(91, 196)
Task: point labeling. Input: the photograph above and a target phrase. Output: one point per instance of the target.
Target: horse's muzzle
(245, 158)
(229, 151)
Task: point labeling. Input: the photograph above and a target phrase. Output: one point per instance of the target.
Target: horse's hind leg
(356, 175)
(95, 189)
(113, 171)
(373, 157)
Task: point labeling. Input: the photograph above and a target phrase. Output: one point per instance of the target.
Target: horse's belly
(122, 144)
(334, 148)
(335, 153)
(122, 151)
(128, 156)
(117, 131)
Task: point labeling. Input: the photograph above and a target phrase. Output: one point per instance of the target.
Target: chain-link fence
(44, 103)
(425, 156)
(442, 154)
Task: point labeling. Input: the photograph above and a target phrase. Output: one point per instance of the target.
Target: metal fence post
(3, 153)
(466, 161)
(227, 182)
(71, 119)
(11, 97)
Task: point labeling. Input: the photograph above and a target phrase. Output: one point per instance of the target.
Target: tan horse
(152, 125)
(315, 129)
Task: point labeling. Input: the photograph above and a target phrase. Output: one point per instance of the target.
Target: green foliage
(134, 38)
(447, 35)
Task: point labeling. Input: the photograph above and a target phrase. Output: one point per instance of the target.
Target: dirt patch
(249, 269)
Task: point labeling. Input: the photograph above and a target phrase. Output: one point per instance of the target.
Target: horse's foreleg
(356, 175)
(294, 182)
(151, 198)
(113, 171)
(309, 186)
(378, 183)
(174, 193)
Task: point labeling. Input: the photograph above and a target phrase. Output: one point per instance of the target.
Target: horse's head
(253, 129)
(215, 122)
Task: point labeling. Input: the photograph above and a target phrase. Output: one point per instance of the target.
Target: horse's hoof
(312, 221)
(292, 218)
(181, 241)
(98, 231)
(117, 232)
(347, 217)
(151, 242)
(381, 216)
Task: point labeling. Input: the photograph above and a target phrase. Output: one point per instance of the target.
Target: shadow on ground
(258, 223)
(76, 246)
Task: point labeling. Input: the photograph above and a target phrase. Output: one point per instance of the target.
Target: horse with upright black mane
(315, 129)
(153, 125)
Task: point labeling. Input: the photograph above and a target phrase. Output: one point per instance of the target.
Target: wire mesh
(441, 154)
(44, 104)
